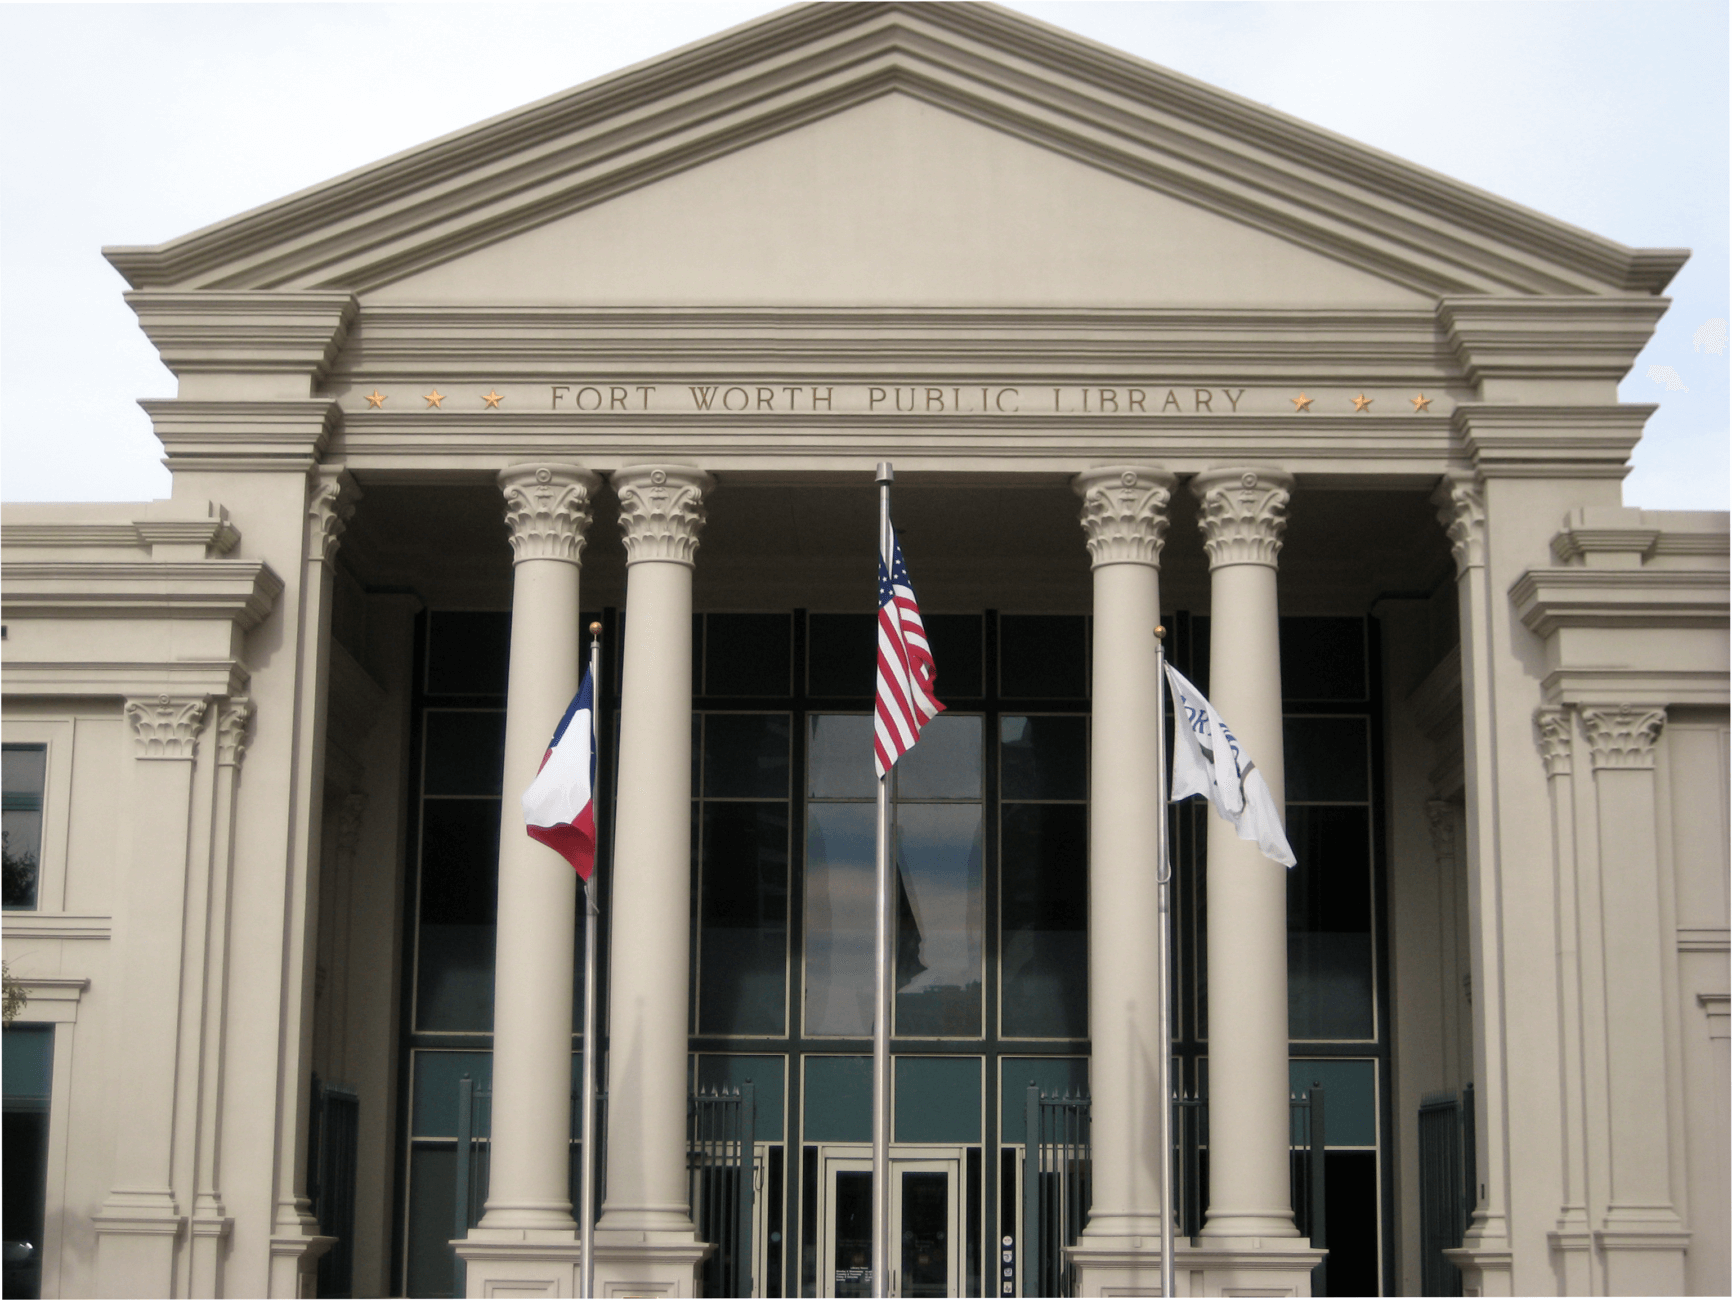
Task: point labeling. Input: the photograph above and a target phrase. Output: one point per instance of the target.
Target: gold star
(1362, 403)
(493, 399)
(435, 398)
(375, 399)
(1420, 403)
(1300, 403)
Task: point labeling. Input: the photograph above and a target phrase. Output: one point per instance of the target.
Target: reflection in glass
(1044, 757)
(23, 772)
(1044, 852)
(839, 756)
(938, 966)
(853, 1233)
(839, 918)
(946, 762)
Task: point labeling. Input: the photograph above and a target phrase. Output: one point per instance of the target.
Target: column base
(512, 1262)
(1220, 1266)
(136, 1235)
(1646, 1260)
(1485, 1269)
(634, 1263)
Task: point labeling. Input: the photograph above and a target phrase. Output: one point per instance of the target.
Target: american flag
(906, 675)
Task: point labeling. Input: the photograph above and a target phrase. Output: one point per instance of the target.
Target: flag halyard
(559, 805)
(907, 677)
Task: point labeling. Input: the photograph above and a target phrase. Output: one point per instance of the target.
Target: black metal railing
(331, 1169)
(1057, 1189)
(1447, 1184)
(721, 1168)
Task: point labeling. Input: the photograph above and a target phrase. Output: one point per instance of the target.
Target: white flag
(1207, 760)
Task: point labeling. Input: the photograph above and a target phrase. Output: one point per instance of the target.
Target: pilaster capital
(349, 818)
(1555, 735)
(331, 498)
(1440, 820)
(1622, 735)
(166, 726)
(1460, 503)
(661, 511)
(1243, 513)
(231, 732)
(547, 510)
(1124, 512)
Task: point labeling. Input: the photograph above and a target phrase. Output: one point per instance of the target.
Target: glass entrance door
(925, 1206)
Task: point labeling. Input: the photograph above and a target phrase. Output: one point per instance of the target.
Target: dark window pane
(946, 763)
(743, 950)
(840, 859)
(746, 654)
(433, 1110)
(1350, 1202)
(839, 756)
(1329, 966)
(432, 1206)
(937, 1099)
(459, 874)
(764, 1073)
(956, 651)
(23, 772)
(1044, 851)
(1044, 757)
(838, 1103)
(1057, 1076)
(841, 654)
(1323, 658)
(746, 755)
(1042, 656)
(939, 940)
(468, 654)
(465, 751)
(29, 1063)
(1326, 759)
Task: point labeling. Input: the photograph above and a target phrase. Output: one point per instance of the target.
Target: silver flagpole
(1163, 948)
(586, 1128)
(886, 930)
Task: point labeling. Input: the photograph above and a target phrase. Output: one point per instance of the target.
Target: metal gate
(1446, 1186)
(1057, 1189)
(331, 1169)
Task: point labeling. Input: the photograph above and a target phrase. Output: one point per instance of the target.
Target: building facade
(1347, 429)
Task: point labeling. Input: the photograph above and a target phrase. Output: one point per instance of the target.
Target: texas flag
(559, 806)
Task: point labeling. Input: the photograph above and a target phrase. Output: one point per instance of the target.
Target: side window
(23, 772)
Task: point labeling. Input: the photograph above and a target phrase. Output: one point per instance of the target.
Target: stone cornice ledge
(56, 925)
(242, 591)
(241, 332)
(286, 435)
(110, 678)
(1510, 441)
(1577, 337)
(1549, 599)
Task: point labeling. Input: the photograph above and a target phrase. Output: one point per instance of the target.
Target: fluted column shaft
(661, 515)
(1125, 518)
(547, 510)
(1243, 512)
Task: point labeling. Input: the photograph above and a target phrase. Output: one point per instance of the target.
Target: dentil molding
(1460, 506)
(661, 511)
(167, 726)
(547, 510)
(1124, 512)
(1243, 513)
(1553, 735)
(1623, 736)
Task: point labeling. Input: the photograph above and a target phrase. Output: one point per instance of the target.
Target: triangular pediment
(897, 154)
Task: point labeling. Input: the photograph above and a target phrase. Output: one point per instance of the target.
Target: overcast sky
(134, 124)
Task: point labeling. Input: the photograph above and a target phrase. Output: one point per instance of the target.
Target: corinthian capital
(547, 510)
(166, 726)
(1461, 510)
(331, 498)
(661, 511)
(1623, 735)
(1553, 734)
(232, 731)
(1124, 512)
(1243, 513)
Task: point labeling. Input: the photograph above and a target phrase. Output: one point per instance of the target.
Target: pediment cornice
(1147, 125)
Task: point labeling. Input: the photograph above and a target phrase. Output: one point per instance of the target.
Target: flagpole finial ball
(595, 629)
(1160, 632)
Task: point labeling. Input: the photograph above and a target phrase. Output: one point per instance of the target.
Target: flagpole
(1163, 941)
(586, 1135)
(885, 934)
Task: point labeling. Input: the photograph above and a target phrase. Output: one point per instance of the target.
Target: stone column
(1243, 512)
(645, 1242)
(1124, 516)
(1641, 1238)
(527, 1236)
(140, 1223)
